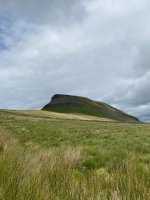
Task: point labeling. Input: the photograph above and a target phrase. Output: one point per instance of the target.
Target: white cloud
(98, 49)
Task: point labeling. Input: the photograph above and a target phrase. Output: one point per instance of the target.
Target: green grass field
(53, 156)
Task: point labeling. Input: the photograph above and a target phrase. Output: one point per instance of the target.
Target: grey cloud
(137, 93)
(44, 11)
(106, 57)
(142, 64)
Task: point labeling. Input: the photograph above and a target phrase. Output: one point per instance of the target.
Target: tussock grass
(59, 173)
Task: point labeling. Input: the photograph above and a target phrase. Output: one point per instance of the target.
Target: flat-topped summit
(75, 104)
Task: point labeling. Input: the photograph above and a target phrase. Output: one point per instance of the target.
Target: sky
(99, 49)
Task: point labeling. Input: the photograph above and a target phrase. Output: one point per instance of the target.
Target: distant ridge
(75, 104)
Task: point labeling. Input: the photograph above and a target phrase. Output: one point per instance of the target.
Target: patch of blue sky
(6, 30)
(2, 46)
(6, 22)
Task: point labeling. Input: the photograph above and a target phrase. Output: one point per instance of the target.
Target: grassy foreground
(45, 156)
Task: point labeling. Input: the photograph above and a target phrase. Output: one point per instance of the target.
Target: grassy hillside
(54, 115)
(74, 104)
(46, 155)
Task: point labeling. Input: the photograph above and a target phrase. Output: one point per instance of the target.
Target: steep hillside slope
(75, 104)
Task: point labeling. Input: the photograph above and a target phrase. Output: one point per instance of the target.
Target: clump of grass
(59, 173)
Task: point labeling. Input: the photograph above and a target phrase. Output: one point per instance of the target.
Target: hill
(76, 104)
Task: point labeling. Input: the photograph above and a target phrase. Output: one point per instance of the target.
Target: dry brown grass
(35, 114)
